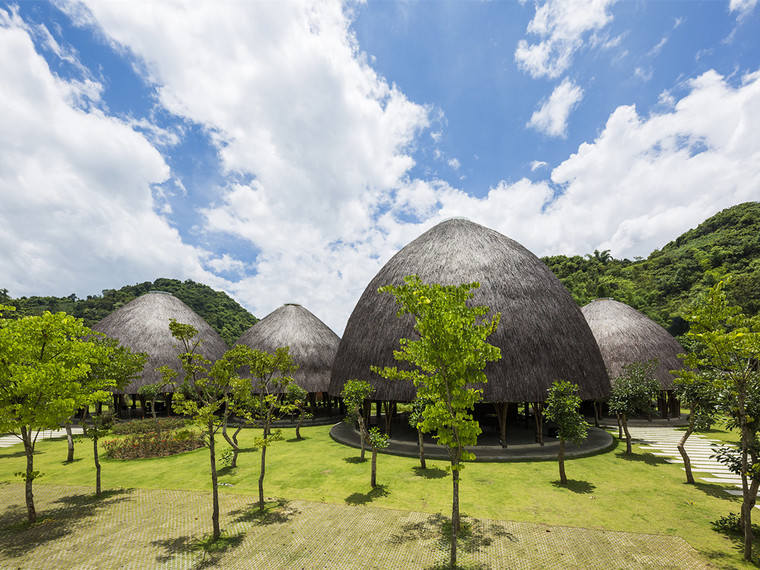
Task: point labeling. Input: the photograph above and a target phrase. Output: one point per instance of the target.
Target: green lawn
(641, 493)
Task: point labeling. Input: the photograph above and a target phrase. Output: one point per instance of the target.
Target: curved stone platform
(523, 449)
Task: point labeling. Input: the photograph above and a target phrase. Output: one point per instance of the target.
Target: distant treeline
(220, 311)
(726, 245)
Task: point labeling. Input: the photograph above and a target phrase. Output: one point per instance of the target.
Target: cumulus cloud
(315, 142)
(561, 26)
(75, 185)
(551, 118)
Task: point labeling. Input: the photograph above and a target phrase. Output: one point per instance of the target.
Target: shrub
(145, 445)
(147, 426)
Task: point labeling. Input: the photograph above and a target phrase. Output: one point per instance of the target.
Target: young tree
(297, 397)
(354, 393)
(45, 364)
(261, 402)
(632, 393)
(121, 366)
(450, 354)
(696, 389)
(562, 407)
(728, 344)
(205, 395)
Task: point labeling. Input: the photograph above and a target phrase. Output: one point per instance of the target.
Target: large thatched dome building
(542, 334)
(311, 342)
(143, 326)
(625, 335)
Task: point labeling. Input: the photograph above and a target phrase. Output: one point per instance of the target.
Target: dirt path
(135, 528)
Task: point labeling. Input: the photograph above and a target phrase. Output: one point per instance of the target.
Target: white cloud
(320, 140)
(75, 186)
(743, 7)
(551, 118)
(536, 164)
(561, 26)
(454, 163)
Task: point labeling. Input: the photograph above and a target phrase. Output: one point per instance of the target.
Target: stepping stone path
(9, 440)
(662, 441)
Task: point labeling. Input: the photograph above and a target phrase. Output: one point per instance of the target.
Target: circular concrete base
(597, 441)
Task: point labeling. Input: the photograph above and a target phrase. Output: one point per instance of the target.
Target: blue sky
(284, 151)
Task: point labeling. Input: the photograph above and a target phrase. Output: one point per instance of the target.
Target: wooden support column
(674, 405)
(168, 399)
(538, 410)
(662, 404)
(501, 415)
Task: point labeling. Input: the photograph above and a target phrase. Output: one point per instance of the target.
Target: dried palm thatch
(311, 342)
(624, 336)
(143, 326)
(542, 335)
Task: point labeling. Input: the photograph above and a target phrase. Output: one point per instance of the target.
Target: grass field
(610, 491)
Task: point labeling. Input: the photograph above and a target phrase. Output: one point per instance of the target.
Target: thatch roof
(143, 326)
(542, 335)
(624, 336)
(311, 342)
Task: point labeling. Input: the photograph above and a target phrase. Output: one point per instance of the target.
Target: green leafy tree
(562, 407)
(45, 365)
(120, 368)
(632, 393)
(449, 355)
(699, 391)
(206, 394)
(297, 397)
(728, 344)
(261, 403)
(354, 393)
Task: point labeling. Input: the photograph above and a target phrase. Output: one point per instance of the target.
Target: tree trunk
(300, 421)
(97, 464)
(501, 414)
(620, 427)
(624, 423)
(561, 457)
(261, 476)
(233, 444)
(26, 437)
(421, 445)
(69, 442)
(682, 450)
(214, 482)
(454, 511)
(373, 475)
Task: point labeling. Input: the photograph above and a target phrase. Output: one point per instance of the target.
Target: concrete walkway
(9, 440)
(662, 442)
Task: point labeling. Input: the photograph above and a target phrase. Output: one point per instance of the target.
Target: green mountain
(725, 246)
(220, 311)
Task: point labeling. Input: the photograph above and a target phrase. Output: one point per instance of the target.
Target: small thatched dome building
(143, 326)
(542, 335)
(625, 335)
(311, 342)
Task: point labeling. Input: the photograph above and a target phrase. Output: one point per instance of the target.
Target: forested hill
(725, 245)
(225, 315)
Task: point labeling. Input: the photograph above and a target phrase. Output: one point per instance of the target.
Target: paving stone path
(157, 529)
(662, 441)
(9, 440)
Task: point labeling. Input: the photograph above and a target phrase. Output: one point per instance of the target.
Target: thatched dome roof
(542, 334)
(143, 326)
(624, 335)
(311, 342)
